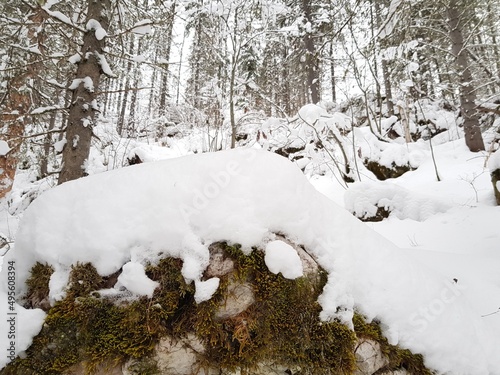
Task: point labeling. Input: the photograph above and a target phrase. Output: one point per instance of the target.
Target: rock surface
(369, 357)
(179, 357)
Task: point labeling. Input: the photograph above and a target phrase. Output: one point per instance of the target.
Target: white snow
(105, 65)
(27, 325)
(95, 25)
(388, 154)
(86, 121)
(364, 198)
(205, 289)
(4, 148)
(179, 206)
(87, 83)
(59, 145)
(49, 4)
(57, 84)
(58, 15)
(58, 283)
(281, 257)
(138, 59)
(413, 67)
(143, 27)
(134, 279)
(41, 110)
(494, 161)
(75, 59)
(407, 84)
(391, 20)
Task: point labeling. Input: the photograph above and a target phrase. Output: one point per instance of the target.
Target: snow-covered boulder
(157, 221)
(375, 201)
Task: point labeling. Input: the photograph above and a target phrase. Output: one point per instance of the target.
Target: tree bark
(18, 103)
(386, 77)
(164, 75)
(332, 74)
(468, 109)
(14, 120)
(311, 56)
(82, 109)
(123, 102)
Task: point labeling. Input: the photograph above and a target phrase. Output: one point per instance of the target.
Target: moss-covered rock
(38, 287)
(495, 179)
(383, 173)
(381, 214)
(398, 358)
(277, 331)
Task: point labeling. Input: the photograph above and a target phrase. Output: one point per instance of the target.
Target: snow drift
(129, 217)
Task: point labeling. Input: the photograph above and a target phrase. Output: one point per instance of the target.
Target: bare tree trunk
(47, 143)
(232, 118)
(285, 74)
(473, 137)
(152, 94)
(232, 81)
(388, 88)
(332, 74)
(124, 97)
(106, 103)
(311, 58)
(85, 86)
(179, 71)
(131, 127)
(17, 104)
(385, 69)
(165, 76)
(374, 24)
(492, 18)
(14, 120)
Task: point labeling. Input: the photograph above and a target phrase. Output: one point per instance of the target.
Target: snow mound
(134, 279)
(494, 162)
(178, 207)
(281, 257)
(388, 154)
(364, 198)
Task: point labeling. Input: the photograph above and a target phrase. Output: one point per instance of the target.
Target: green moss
(83, 279)
(38, 286)
(282, 326)
(83, 328)
(383, 173)
(54, 349)
(173, 291)
(111, 333)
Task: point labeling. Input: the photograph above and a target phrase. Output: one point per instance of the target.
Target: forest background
(151, 70)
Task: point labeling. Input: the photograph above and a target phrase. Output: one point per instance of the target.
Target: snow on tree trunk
(14, 123)
(473, 137)
(17, 104)
(311, 63)
(84, 99)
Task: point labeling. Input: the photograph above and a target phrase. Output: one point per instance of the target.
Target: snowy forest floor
(451, 226)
